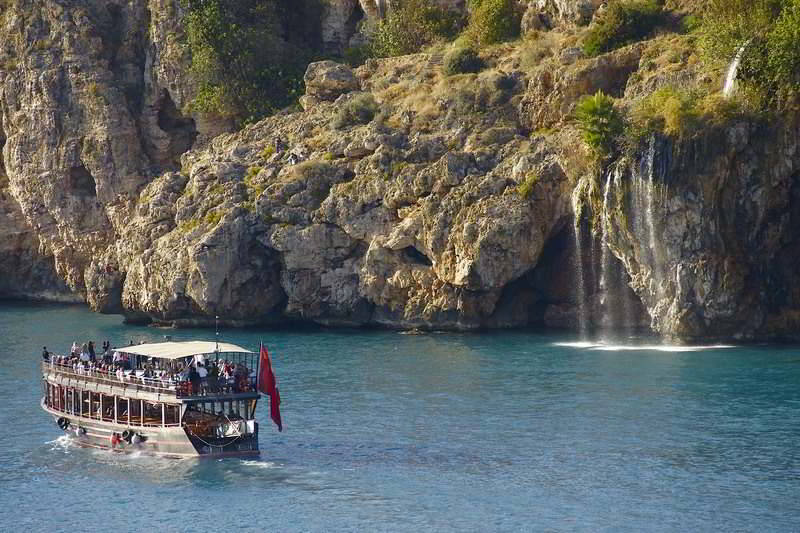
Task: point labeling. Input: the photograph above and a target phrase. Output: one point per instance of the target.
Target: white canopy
(178, 350)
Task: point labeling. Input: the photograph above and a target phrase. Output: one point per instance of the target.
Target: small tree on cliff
(249, 56)
(600, 123)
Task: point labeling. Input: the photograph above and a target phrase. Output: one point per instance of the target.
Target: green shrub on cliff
(525, 189)
(600, 123)
(360, 109)
(492, 21)
(462, 61)
(623, 22)
(667, 110)
(411, 25)
(249, 56)
(766, 34)
(679, 114)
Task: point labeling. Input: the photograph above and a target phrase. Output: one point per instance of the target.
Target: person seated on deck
(45, 354)
(75, 350)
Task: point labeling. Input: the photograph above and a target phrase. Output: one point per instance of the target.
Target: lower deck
(173, 441)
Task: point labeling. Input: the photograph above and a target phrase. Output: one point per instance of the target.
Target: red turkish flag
(268, 385)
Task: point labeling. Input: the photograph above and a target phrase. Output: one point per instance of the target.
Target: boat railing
(164, 385)
(129, 379)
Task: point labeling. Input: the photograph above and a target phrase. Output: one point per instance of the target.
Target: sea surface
(511, 431)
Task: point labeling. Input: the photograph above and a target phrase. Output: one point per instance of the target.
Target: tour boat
(152, 407)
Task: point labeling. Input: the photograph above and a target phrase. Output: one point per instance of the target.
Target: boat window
(171, 414)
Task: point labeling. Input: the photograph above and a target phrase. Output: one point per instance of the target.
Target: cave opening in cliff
(352, 24)
(417, 257)
(181, 130)
(81, 182)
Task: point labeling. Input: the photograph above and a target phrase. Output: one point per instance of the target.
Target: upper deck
(159, 371)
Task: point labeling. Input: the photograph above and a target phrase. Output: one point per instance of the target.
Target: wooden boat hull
(173, 441)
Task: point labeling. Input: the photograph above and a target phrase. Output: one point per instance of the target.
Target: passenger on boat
(45, 354)
(194, 379)
(203, 373)
(213, 377)
(85, 353)
(90, 346)
(75, 350)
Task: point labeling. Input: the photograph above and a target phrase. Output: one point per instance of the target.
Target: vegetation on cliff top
(249, 56)
(623, 22)
(767, 35)
(411, 25)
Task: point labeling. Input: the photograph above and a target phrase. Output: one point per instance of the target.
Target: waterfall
(733, 71)
(655, 249)
(645, 221)
(605, 259)
(580, 287)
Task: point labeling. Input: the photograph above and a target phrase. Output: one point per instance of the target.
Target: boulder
(327, 80)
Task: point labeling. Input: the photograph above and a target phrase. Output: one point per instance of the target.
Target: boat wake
(671, 348)
(63, 443)
(260, 464)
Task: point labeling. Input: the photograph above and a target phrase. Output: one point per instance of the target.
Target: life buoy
(80, 432)
(63, 423)
(127, 434)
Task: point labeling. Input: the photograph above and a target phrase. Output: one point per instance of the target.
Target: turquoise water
(446, 432)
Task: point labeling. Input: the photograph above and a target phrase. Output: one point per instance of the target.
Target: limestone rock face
(26, 273)
(347, 23)
(556, 86)
(711, 240)
(366, 224)
(449, 207)
(91, 95)
(550, 13)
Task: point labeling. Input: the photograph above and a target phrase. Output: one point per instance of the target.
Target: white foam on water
(580, 344)
(62, 443)
(259, 464)
(658, 348)
(674, 348)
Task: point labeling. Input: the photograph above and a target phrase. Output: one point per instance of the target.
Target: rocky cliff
(399, 196)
